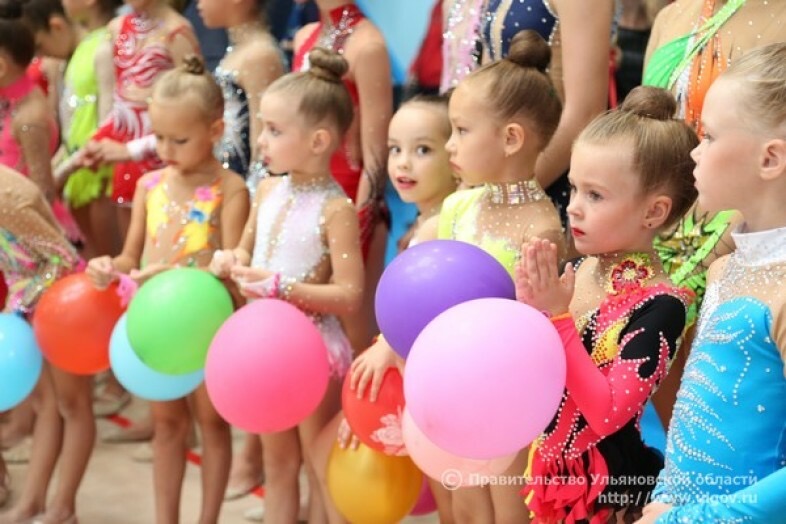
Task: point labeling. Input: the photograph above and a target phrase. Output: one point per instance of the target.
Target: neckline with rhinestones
(515, 193)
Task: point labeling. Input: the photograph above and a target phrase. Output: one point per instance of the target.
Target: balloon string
(126, 288)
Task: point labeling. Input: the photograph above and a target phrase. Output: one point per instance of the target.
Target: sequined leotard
(290, 240)
(726, 445)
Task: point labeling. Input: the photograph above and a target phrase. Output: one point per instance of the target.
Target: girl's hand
(652, 512)
(538, 282)
(244, 274)
(141, 276)
(222, 263)
(345, 436)
(370, 368)
(101, 271)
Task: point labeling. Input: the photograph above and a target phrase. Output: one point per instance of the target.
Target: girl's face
(476, 145)
(213, 12)
(59, 41)
(418, 163)
(607, 210)
(727, 157)
(283, 141)
(184, 136)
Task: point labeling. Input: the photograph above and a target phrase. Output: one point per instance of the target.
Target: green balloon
(173, 317)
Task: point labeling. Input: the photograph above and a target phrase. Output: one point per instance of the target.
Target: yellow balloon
(369, 487)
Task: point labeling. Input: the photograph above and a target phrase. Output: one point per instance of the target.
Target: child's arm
(234, 211)
(262, 66)
(102, 270)
(344, 293)
(764, 501)
(647, 344)
(31, 129)
(375, 94)
(105, 74)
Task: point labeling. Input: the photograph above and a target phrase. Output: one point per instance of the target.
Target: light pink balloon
(267, 367)
(451, 470)
(485, 378)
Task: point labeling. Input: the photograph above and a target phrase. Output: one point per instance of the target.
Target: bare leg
(473, 505)
(282, 459)
(18, 424)
(216, 456)
(312, 432)
(123, 221)
(172, 423)
(508, 504)
(47, 440)
(247, 466)
(74, 398)
(444, 500)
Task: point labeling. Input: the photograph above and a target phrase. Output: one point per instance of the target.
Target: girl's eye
(706, 136)
(423, 150)
(461, 130)
(572, 188)
(595, 196)
(394, 150)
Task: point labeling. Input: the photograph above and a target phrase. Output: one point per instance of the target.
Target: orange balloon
(73, 323)
(369, 487)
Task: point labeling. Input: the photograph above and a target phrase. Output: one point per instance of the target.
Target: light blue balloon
(20, 360)
(140, 379)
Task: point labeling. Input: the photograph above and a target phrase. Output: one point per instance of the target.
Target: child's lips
(577, 232)
(405, 182)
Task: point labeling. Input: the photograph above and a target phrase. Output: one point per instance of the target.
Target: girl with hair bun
(619, 316)
(302, 244)
(181, 215)
(502, 116)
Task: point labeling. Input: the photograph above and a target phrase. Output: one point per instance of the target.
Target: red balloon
(73, 323)
(377, 424)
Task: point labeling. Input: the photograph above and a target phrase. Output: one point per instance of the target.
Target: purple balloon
(430, 278)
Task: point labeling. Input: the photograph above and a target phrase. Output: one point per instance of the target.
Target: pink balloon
(426, 503)
(451, 470)
(485, 378)
(267, 367)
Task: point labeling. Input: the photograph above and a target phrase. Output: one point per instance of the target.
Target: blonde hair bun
(650, 102)
(193, 64)
(327, 65)
(528, 49)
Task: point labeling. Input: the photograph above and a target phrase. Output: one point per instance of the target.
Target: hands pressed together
(538, 282)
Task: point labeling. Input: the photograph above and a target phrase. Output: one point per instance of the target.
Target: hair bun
(10, 9)
(650, 102)
(327, 65)
(193, 65)
(528, 49)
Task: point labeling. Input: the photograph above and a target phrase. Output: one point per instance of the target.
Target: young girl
(82, 40)
(502, 116)
(692, 42)
(151, 40)
(28, 134)
(619, 316)
(725, 448)
(310, 257)
(252, 61)
(418, 163)
(182, 214)
(358, 164)
(34, 254)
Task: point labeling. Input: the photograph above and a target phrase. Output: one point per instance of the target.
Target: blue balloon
(20, 360)
(138, 378)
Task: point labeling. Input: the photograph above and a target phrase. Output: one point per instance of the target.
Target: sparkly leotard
(616, 355)
(290, 240)
(138, 63)
(181, 233)
(726, 445)
(34, 253)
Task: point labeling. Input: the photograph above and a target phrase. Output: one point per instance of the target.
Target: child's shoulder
(151, 179)
(715, 270)
(231, 182)
(33, 111)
